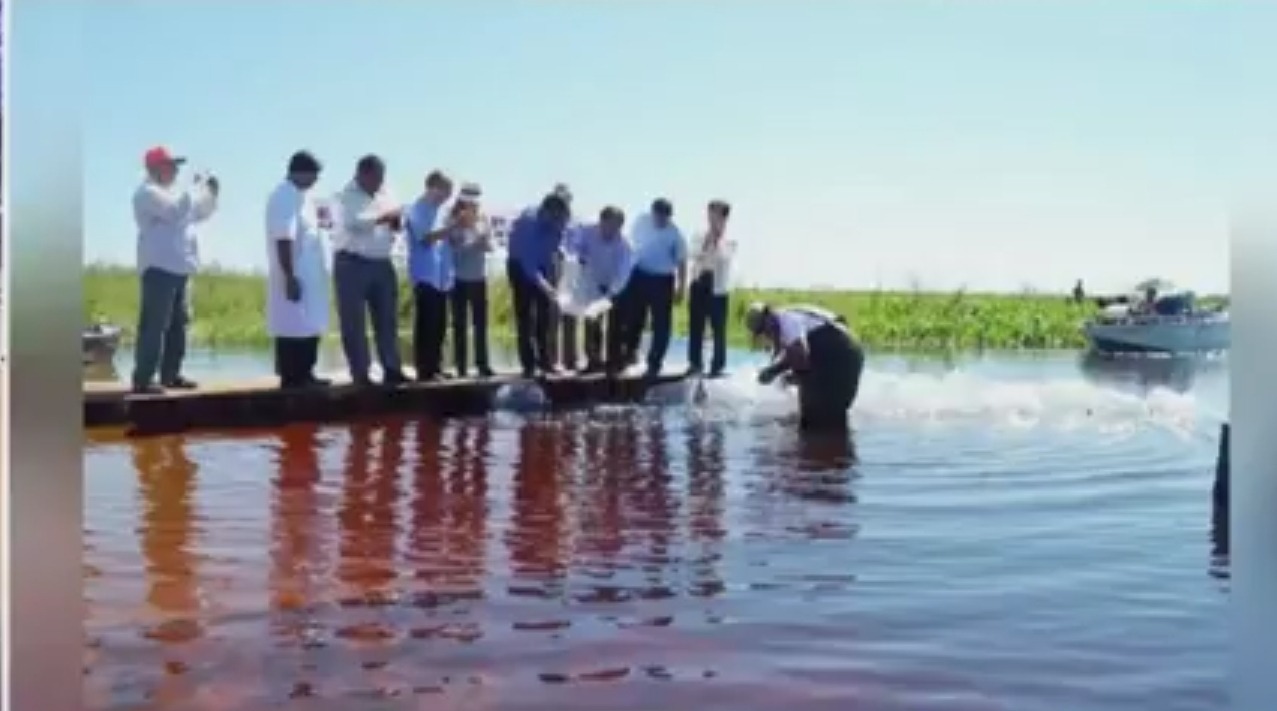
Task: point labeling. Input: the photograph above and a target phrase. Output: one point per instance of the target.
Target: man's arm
(154, 205)
(624, 265)
(206, 203)
(283, 213)
(358, 213)
(680, 256)
(786, 359)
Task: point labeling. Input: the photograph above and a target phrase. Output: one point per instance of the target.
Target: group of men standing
(644, 274)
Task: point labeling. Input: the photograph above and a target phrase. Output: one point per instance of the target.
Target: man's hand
(766, 376)
(292, 289)
(392, 218)
(546, 287)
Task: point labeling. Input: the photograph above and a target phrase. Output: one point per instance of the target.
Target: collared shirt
(657, 250)
(793, 323)
(470, 250)
(429, 263)
(534, 245)
(357, 231)
(606, 261)
(166, 219)
(714, 259)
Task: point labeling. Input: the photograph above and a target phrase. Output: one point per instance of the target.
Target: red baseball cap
(159, 155)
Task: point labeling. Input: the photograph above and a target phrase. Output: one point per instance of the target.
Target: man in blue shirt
(658, 280)
(431, 269)
(534, 244)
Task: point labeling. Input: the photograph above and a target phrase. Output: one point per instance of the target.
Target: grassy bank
(230, 309)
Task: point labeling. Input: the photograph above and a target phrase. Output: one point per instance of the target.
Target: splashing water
(964, 398)
(523, 397)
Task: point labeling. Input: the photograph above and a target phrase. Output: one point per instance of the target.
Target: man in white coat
(297, 300)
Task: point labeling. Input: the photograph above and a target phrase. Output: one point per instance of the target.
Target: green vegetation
(230, 310)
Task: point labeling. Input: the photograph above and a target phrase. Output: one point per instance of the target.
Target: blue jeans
(163, 320)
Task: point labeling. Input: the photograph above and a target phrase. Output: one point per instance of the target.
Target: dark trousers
(827, 387)
(651, 294)
(704, 307)
(532, 319)
(596, 352)
(161, 330)
(429, 326)
(295, 360)
(469, 301)
(364, 288)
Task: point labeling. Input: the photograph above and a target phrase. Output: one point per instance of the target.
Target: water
(1014, 533)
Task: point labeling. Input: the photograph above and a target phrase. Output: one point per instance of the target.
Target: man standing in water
(297, 283)
(167, 256)
(364, 275)
(430, 266)
(818, 349)
(535, 240)
(657, 282)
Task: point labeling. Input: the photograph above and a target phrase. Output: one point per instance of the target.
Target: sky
(942, 145)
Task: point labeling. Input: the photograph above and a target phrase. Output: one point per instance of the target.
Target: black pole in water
(1220, 492)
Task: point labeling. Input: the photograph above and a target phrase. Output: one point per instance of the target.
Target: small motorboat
(1159, 318)
(101, 341)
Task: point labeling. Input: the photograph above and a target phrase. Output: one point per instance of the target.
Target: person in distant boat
(534, 247)
(605, 255)
(657, 282)
(1079, 292)
(167, 220)
(297, 281)
(364, 275)
(471, 244)
(430, 265)
(816, 350)
(707, 302)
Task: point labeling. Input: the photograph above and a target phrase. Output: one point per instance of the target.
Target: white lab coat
(292, 214)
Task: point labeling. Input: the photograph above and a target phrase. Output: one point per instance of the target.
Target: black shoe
(715, 373)
(529, 374)
(149, 389)
(593, 368)
(652, 372)
(394, 378)
(693, 371)
(549, 369)
(180, 383)
(486, 372)
(314, 382)
(462, 373)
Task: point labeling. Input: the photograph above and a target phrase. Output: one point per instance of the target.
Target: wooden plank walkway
(261, 403)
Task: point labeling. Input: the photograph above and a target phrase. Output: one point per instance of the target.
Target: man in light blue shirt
(606, 260)
(657, 282)
(533, 252)
(431, 269)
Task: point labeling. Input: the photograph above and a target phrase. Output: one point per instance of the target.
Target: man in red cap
(167, 217)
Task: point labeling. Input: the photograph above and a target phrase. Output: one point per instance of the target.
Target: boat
(101, 341)
(1158, 317)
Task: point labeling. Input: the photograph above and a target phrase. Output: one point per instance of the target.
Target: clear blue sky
(994, 145)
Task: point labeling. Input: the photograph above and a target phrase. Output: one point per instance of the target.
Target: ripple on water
(647, 557)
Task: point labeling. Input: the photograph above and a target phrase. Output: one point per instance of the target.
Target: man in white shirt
(657, 282)
(297, 281)
(816, 349)
(364, 275)
(606, 259)
(167, 255)
(707, 299)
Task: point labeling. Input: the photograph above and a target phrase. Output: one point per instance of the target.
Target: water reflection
(536, 540)
(166, 481)
(706, 492)
(1144, 374)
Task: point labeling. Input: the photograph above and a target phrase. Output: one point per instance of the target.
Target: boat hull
(1181, 336)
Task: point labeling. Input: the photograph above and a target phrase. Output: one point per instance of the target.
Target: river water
(1003, 532)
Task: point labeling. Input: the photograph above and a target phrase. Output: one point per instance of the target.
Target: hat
(470, 191)
(304, 162)
(159, 155)
(756, 317)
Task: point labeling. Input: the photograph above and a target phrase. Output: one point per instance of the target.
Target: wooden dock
(261, 403)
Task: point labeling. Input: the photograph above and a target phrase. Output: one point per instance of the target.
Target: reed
(229, 308)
